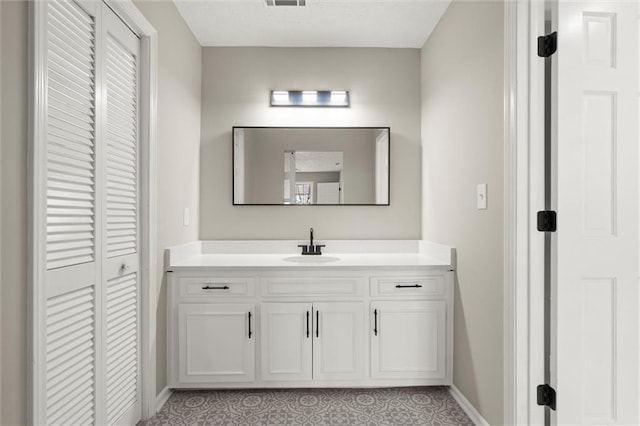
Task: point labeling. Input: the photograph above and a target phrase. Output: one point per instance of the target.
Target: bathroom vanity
(254, 314)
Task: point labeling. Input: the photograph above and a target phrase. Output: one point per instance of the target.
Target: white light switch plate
(481, 196)
(186, 220)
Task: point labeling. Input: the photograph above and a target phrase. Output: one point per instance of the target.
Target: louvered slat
(122, 344)
(121, 152)
(70, 135)
(70, 364)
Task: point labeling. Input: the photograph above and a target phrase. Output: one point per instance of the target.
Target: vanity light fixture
(309, 98)
(285, 2)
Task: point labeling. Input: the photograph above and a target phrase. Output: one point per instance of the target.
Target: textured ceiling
(319, 161)
(321, 23)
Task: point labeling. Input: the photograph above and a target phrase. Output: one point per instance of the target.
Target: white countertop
(353, 254)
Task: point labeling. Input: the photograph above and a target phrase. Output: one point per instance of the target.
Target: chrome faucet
(311, 249)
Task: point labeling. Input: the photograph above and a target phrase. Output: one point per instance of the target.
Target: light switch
(481, 196)
(186, 219)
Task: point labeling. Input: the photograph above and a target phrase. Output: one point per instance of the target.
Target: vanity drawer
(217, 287)
(429, 286)
(304, 286)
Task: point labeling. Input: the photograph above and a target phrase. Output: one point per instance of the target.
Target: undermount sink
(311, 259)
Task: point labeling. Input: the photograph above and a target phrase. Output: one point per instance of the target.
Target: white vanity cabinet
(216, 343)
(312, 341)
(339, 344)
(212, 329)
(409, 340)
(286, 341)
(258, 321)
(412, 331)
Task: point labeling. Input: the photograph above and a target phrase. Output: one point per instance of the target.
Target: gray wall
(14, 212)
(179, 103)
(178, 162)
(264, 161)
(462, 137)
(385, 91)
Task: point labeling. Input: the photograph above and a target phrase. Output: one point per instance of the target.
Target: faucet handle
(319, 248)
(304, 248)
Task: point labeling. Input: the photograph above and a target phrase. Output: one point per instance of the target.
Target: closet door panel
(71, 137)
(72, 218)
(120, 266)
(70, 373)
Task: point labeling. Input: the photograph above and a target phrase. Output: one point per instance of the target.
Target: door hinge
(547, 221)
(547, 396)
(548, 44)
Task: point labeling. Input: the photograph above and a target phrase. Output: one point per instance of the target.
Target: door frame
(136, 21)
(523, 327)
(0, 212)
(131, 15)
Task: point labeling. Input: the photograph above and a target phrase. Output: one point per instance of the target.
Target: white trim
(524, 195)
(35, 233)
(510, 218)
(162, 398)
(531, 302)
(522, 357)
(0, 210)
(466, 406)
(131, 15)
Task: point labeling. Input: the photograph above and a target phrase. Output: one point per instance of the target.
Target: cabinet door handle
(375, 322)
(208, 287)
(317, 324)
(307, 324)
(250, 325)
(409, 286)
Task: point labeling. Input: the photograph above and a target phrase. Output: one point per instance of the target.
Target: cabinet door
(286, 341)
(408, 340)
(338, 341)
(216, 343)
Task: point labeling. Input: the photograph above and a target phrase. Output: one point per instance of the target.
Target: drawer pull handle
(307, 324)
(317, 324)
(250, 325)
(409, 286)
(208, 287)
(375, 322)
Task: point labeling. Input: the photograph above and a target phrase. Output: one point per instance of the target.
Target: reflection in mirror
(310, 166)
(317, 178)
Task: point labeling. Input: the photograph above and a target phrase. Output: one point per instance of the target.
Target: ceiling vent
(286, 2)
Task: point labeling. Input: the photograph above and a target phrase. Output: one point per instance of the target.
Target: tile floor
(422, 406)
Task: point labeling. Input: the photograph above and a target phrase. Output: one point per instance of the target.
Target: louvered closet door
(91, 292)
(72, 217)
(120, 222)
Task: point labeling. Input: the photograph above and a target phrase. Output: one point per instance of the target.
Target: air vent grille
(286, 2)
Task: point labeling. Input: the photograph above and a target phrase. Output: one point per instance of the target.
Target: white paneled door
(595, 371)
(87, 327)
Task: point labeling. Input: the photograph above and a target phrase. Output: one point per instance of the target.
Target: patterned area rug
(349, 407)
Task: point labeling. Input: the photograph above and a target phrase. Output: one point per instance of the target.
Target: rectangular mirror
(311, 165)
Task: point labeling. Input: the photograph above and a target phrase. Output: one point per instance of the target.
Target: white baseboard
(162, 398)
(464, 403)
